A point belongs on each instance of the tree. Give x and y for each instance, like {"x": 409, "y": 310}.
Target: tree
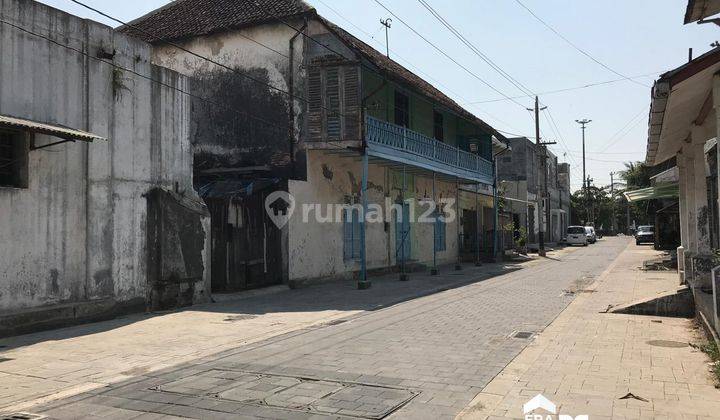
{"x": 636, "y": 175}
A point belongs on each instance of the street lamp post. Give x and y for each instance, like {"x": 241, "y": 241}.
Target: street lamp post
{"x": 583, "y": 123}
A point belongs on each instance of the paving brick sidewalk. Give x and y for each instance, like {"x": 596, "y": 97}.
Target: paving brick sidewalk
{"x": 422, "y": 358}
{"x": 64, "y": 362}
{"x": 586, "y": 360}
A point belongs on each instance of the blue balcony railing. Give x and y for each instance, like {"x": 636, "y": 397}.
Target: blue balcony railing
{"x": 393, "y": 142}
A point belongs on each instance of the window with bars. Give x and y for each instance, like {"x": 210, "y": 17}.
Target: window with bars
{"x": 402, "y": 109}
{"x": 438, "y": 126}
{"x": 13, "y": 159}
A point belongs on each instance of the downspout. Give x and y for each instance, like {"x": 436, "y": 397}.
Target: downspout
{"x": 291, "y": 89}
{"x": 495, "y": 200}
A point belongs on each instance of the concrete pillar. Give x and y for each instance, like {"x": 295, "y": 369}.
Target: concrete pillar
{"x": 683, "y": 208}
{"x": 699, "y": 136}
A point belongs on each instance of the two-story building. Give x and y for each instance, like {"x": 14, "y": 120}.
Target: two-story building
{"x": 98, "y": 214}
{"x": 345, "y": 127}
{"x": 522, "y": 182}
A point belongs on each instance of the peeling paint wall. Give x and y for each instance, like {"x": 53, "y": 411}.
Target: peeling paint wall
{"x": 316, "y": 249}
{"x": 78, "y": 232}
{"x": 251, "y": 125}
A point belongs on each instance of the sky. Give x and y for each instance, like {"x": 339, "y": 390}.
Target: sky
{"x": 628, "y": 39}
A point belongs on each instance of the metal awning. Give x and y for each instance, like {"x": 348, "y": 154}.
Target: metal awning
{"x": 54, "y": 130}
{"x": 671, "y": 190}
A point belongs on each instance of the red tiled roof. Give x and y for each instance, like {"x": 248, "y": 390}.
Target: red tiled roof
{"x": 189, "y": 18}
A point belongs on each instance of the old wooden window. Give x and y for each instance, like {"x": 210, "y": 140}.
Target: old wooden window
{"x": 438, "y": 126}
{"x": 402, "y": 109}
{"x": 13, "y": 159}
{"x": 333, "y": 102}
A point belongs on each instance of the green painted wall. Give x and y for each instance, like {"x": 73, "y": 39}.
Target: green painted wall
{"x": 381, "y": 105}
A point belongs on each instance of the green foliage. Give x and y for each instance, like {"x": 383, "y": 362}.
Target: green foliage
{"x": 711, "y": 349}
{"x": 602, "y": 204}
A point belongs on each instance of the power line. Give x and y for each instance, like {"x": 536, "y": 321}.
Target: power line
{"x": 572, "y": 44}
{"x": 464, "y": 101}
{"x": 151, "y": 79}
{"x": 549, "y": 92}
{"x": 441, "y": 51}
{"x": 624, "y": 130}
{"x": 194, "y": 54}
{"x": 475, "y": 49}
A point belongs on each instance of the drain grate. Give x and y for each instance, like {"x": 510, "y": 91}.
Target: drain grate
{"x": 523, "y": 335}
{"x": 21, "y": 416}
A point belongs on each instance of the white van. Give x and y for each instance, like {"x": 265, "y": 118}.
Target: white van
{"x": 576, "y": 236}
{"x": 590, "y": 233}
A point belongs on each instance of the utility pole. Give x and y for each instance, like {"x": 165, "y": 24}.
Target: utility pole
{"x": 387, "y": 23}
{"x": 542, "y": 152}
{"x": 612, "y": 197}
{"x": 583, "y": 123}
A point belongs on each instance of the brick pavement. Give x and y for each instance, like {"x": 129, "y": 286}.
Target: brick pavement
{"x": 587, "y": 360}
{"x": 423, "y": 358}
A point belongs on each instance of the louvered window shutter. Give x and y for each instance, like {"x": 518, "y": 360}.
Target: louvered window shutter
{"x": 315, "y": 107}
{"x": 351, "y": 103}
{"x": 332, "y": 103}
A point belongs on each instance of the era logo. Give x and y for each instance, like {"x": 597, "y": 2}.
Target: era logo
{"x": 540, "y": 402}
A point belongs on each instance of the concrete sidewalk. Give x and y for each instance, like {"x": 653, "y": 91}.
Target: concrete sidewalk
{"x": 587, "y": 360}
{"x": 56, "y": 364}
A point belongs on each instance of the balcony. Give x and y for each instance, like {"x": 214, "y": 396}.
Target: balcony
{"x": 398, "y": 144}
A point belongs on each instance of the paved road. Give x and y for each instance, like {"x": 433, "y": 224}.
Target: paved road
{"x": 424, "y": 358}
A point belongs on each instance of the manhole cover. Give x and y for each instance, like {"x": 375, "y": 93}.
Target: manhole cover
{"x": 523, "y": 335}
{"x": 667, "y": 343}
{"x": 316, "y": 396}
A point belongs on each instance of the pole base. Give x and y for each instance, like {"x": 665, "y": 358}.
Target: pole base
{"x": 404, "y": 277}
{"x": 542, "y": 253}
{"x": 364, "y": 285}
{"x": 458, "y": 267}
{"x": 433, "y": 271}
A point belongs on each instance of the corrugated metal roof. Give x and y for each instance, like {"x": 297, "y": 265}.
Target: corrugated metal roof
{"x": 235, "y": 188}
{"x": 54, "y": 130}
{"x": 670, "y": 190}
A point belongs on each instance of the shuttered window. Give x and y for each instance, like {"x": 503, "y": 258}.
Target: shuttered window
{"x": 351, "y": 234}
{"x": 334, "y": 103}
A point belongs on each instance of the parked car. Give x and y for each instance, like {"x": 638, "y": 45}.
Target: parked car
{"x": 645, "y": 234}
{"x": 590, "y": 233}
{"x": 576, "y": 236}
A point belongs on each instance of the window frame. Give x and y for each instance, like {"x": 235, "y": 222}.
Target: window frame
{"x": 18, "y": 160}
{"x": 404, "y": 112}
{"x": 438, "y": 126}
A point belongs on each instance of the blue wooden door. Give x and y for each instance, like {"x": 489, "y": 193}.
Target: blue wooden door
{"x": 402, "y": 234}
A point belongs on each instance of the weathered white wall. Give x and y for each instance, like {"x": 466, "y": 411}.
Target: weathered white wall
{"x": 264, "y": 47}
{"x": 78, "y": 231}
{"x": 316, "y": 249}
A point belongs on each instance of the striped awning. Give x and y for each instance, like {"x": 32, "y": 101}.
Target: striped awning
{"x": 54, "y": 130}
{"x": 670, "y": 190}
